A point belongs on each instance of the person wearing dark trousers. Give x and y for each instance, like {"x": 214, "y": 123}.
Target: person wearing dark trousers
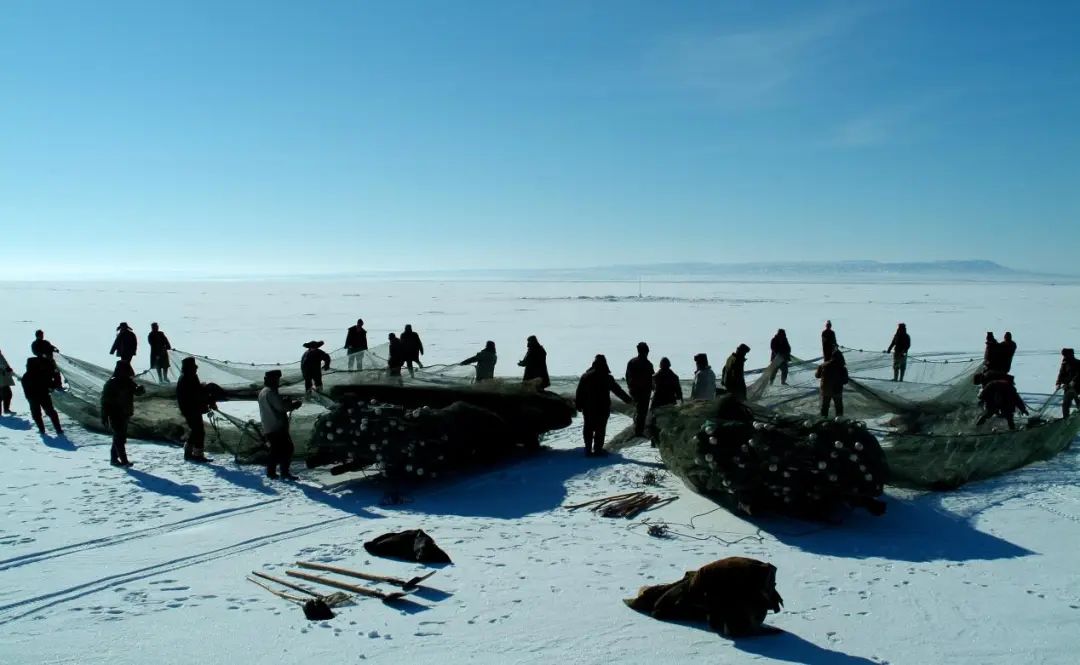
{"x": 312, "y": 364}
{"x": 117, "y": 408}
{"x": 1068, "y": 380}
{"x": 43, "y": 348}
{"x": 356, "y": 344}
{"x": 37, "y": 385}
{"x": 639, "y": 380}
{"x": 159, "y": 352}
{"x": 274, "y": 413}
{"x": 833, "y": 375}
{"x": 593, "y": 400}
{"x": 1007, "y": 349}
{"x": 396, "y": 357}
{"x": 485, "y": 361}
{"x": 899, "y": 347}
{"x": 667, "y": 390}
{"x": 413, "y": 347}
{"x": 126, "y": 344}
{"x": 780, "y": 358}
{"x": 194, "y": 401}
{"x": 7, "y": 382}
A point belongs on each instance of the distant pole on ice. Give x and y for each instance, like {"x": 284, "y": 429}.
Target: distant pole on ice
{"x": 639, "y": 286}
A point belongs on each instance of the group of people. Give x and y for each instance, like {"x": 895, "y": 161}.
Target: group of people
{"x": 647, "y": 388}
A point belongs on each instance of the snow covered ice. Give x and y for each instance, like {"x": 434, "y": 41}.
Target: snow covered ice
{"x": 99, "y": 564}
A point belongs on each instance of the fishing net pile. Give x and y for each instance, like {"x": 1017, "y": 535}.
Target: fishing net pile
{"x": 421, "y": 434}
{"x": 752, "y": 464}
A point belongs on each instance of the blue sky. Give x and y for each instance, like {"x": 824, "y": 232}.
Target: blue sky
{"x": 333, "y": 136}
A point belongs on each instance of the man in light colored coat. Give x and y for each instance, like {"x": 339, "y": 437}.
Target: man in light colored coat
{"x": 274, "y": 413}
{"x": 704, "y": 386}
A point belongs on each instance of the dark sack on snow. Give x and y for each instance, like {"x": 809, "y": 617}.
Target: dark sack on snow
{"x": 412, "y": 545}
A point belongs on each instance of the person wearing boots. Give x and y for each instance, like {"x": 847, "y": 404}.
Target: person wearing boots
{"x": 593, "y": 400}
{"x": 828, "y": 340}
{"x": 1068, "y": 381}
{"x": 704, "y": 386}
{"x": 639, "y": 379}
{"x": 7, "y": 382}
{"x": 274, "y": 413}
{"x": 412, "y": 347}
{"x": 780, "y": 358}
{"x": 999, "y": 397}
{"x": 1007, "y": 349}
{"x": 356, "y": 345}
{"x": 194, "y": 400}
{"x": 485, "y": 362}
{"x": 117, "y": 408}
{"x": 37, "y": 384}
{"x": 159, "y": 352}
{"x": 312, "y": 364}
{"x": 733, "y": 377}
{"x": 126, "y": 343}
{"x": 833, "y": 375}
{"x": 899, "y": 347}
{"x": 43, "y": 348}
{"x": 535, "y": 363}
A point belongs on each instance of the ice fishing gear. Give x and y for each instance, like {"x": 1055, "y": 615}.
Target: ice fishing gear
{"x": 406, "y": 585}
{"x": 345, "y": 586}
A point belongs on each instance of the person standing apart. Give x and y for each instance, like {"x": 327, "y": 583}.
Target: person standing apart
{"x": 639, "y": 380}
{"x": 159, "y": 352}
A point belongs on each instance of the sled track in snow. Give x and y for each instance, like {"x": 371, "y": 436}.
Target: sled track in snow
{"x": 107, "y": 541}
{"x": 30, "y": 606}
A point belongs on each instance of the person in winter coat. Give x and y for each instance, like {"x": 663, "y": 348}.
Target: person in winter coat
{"x": 593, "y": 400}
{"x": 356, "y": 345}
{"x": 485, "y": 362}
{"x": 733, "y": 377}
{"x": 828, "y": 340}
{"x": 159, "y": 352}
{"x": 126, "y": 343}
{"x": 639, "y": 379}
{"x": 780, "y": 356}
{"x": 41, "y": 347}
{"x": 833, "y": 375}
{"x": 1068, "y": 380}
{"x": 704, "y": 386}
{"x": 667, "y": 390}
{"x": 992, "y": 356}
{"x": 7, "y": 382}
{"x": 117, "y": 408}
{"x": 37, "y": 383}
{"x": 412, "y": 347}
{"x": 194, "y": 400}
{"x": 1007, "y": 349}
{"x": 535, "y": 363}
{"x": 312, "y": 364}
{"x": 1000, "y": 398}
{"x": 396, "y": 359}
{"x": 274, "y": 413}
{"x": 899, "y": 347}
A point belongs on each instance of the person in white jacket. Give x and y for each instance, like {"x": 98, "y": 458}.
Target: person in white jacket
{"x": 704, "y": 379}
{"x": 274, "y": 413}
{"x": 7, "y": 382}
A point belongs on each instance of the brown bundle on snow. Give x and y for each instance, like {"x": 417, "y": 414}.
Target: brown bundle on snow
{"x": 733, "y": 595}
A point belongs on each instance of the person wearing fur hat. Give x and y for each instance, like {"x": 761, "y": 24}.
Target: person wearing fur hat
{"x": 1068, "y": 380}
{"x": 126, "y": 343}
{"x": 593, "y": 400}
{"x": 194, "y": 400}
{"x": 733, "y": 377}
{"x": 7, "y": 382}
{"x": 312, "y": 364}
{"x": 274, "y": 413}
{"x": 899, "y": 347}
{"x": 117, "y": 408}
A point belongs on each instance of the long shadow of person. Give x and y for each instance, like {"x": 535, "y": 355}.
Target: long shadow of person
{"x": 165, "y": 486}
{"x": 252, "y": 480}
{"x": 791, "y": 648}
{"x": 60, "y": 442}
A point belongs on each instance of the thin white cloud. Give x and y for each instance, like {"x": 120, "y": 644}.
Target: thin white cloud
{"x": 895, "y": 123}
{"x": 746, "y": 67}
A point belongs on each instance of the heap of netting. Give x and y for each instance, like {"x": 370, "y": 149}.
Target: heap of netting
{"x": 926, "y": 423}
